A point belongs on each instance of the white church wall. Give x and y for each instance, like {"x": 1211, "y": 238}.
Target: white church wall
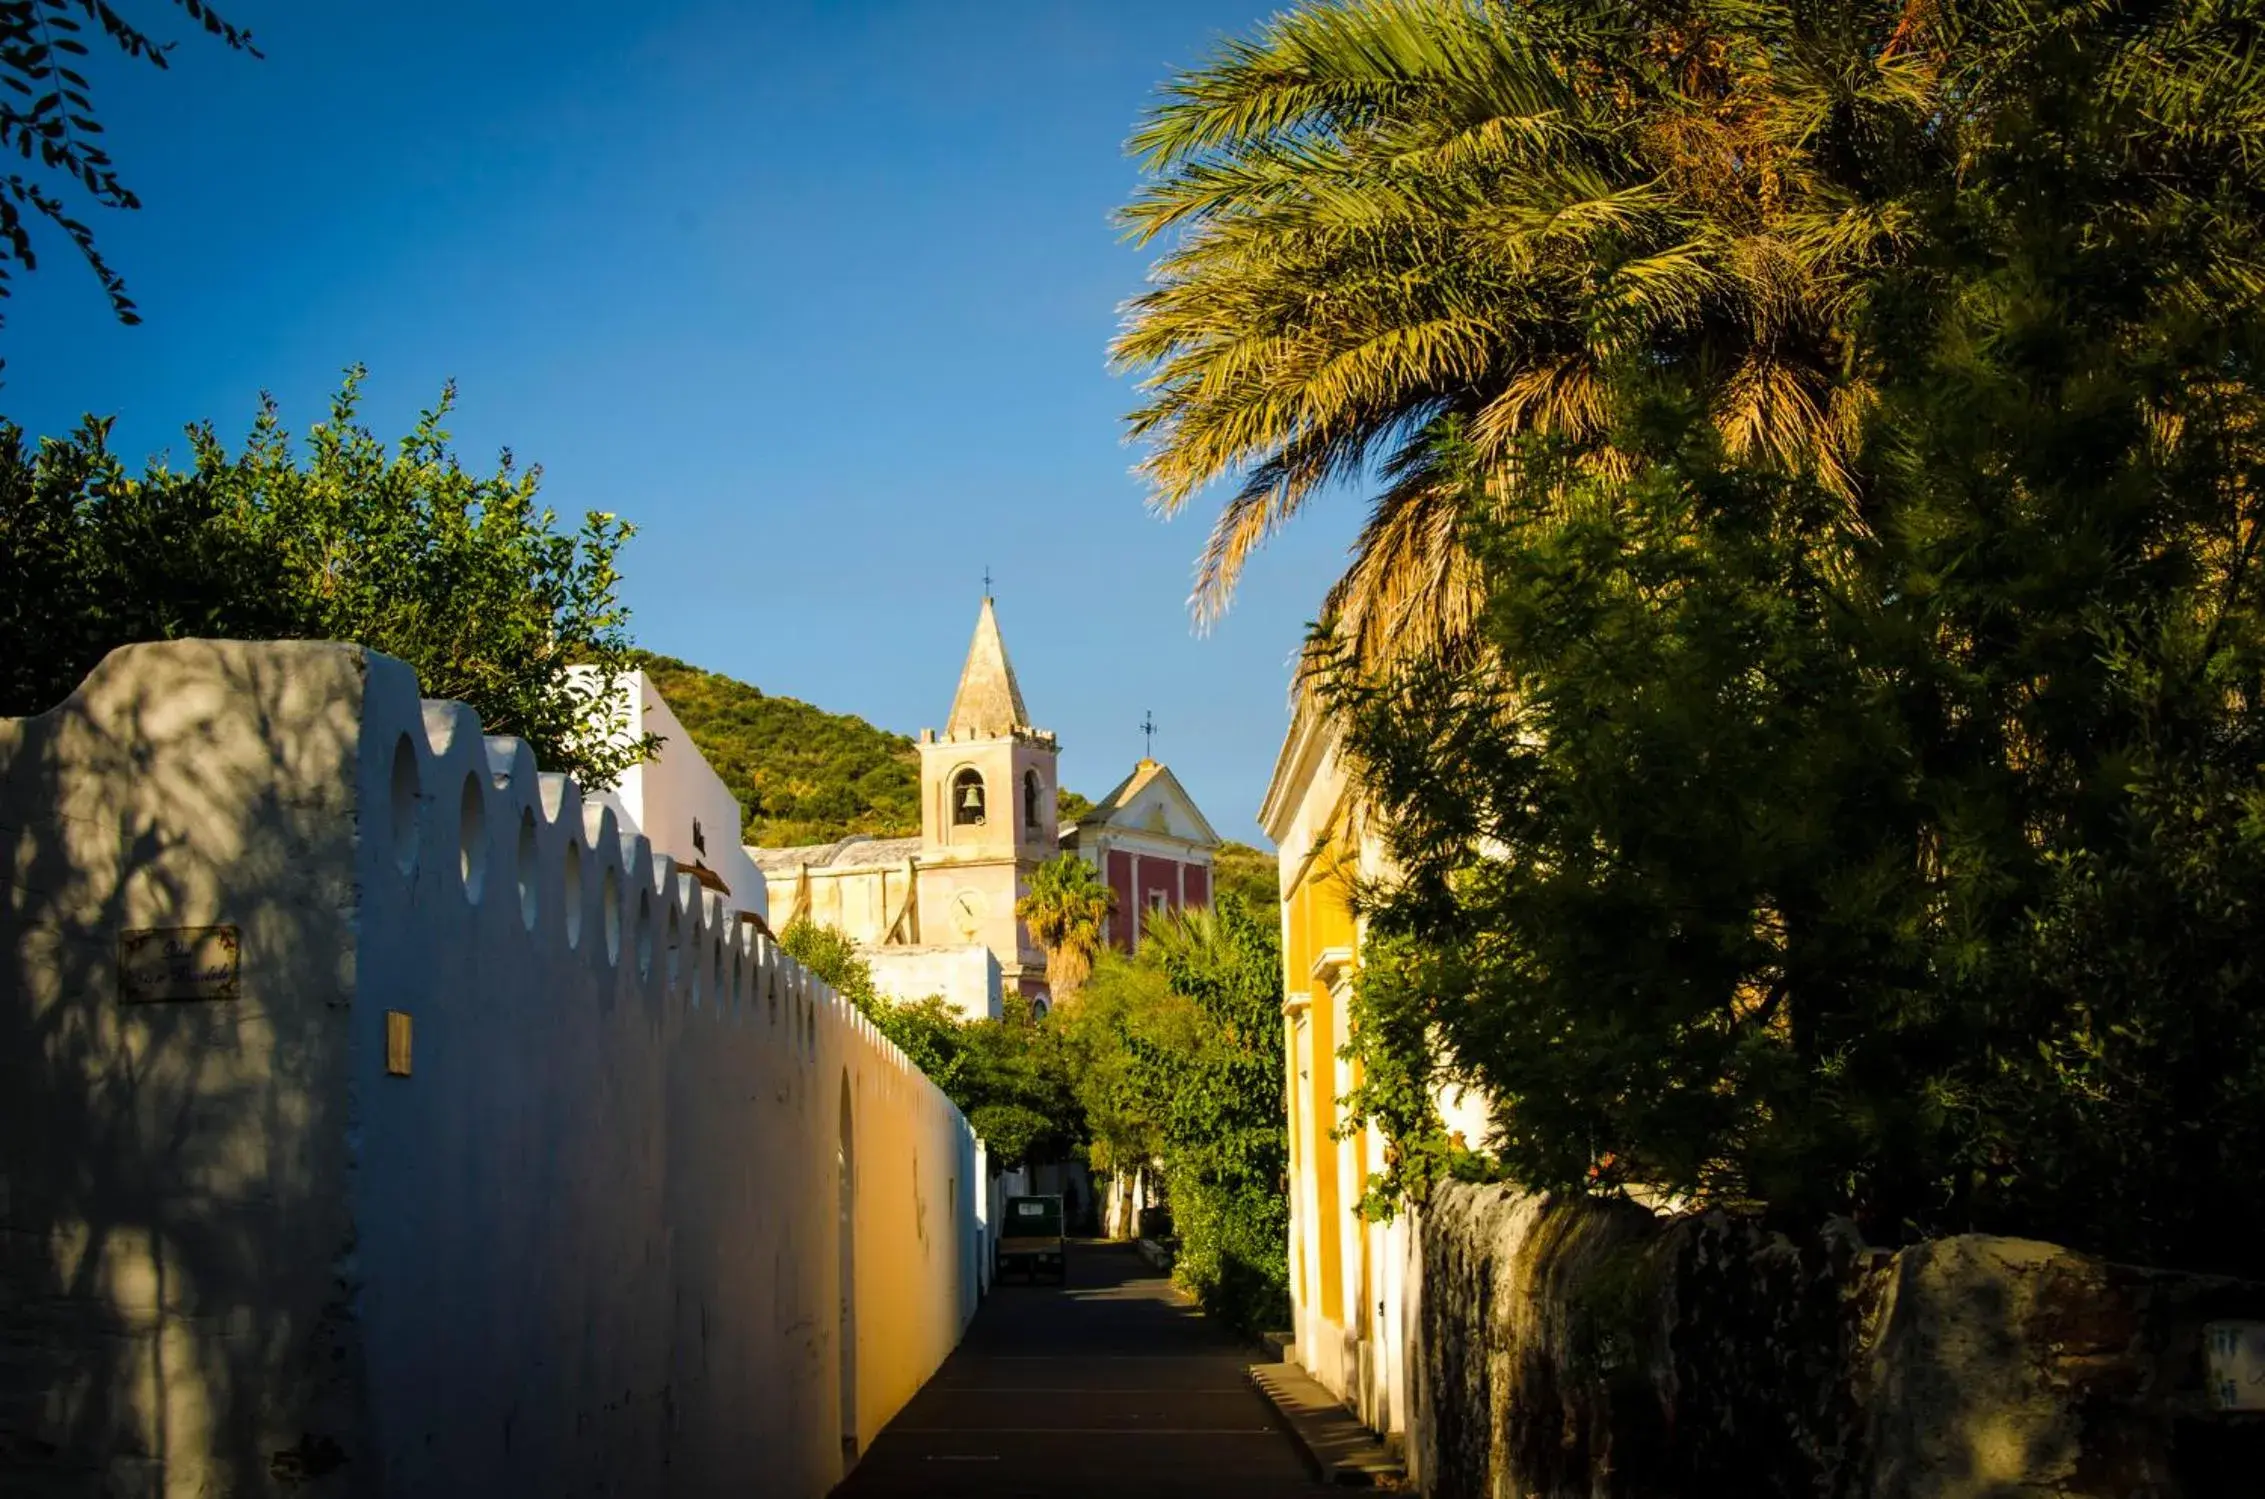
{"x": 587, "y": 1243}
{"x": 966, "y": 975}
{"x": 855, "y": 901}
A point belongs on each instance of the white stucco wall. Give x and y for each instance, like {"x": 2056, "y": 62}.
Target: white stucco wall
{"x": 666, "y": 796}
{"x": 966, "y": 974}
{"x": 589, "y": 1244}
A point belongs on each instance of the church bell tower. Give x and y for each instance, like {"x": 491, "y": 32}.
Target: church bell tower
{"x": 986, "y": 812}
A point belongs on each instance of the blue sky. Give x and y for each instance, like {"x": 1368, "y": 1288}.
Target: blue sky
{"x": 818, "y": 295}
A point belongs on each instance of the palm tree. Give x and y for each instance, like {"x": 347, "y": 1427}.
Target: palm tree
{"x": 1408, "y": 236}
{"x": 1067, "y": 910}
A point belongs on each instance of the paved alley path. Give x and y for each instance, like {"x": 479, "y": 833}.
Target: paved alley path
{"x": 1111, "y": 1386}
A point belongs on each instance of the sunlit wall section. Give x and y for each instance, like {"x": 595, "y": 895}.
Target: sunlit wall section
{"x": 504, "y": 1156}
{"x": 1349, "y": 1277}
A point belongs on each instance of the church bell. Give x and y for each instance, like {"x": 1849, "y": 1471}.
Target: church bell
{"x": 971, "y": 800}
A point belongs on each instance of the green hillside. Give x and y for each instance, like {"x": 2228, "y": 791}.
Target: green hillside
{"x": 803, "y": 775}
{"x": 1239, "y": 869}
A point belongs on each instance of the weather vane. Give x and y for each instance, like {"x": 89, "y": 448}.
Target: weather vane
{"x": 1148, "y": 733}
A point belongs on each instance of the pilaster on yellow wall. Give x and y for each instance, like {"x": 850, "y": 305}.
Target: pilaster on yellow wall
{"x": 1340, "y": 1265}
{"x": 1311, "y": 1166}
{"x": 1332, "y": 978}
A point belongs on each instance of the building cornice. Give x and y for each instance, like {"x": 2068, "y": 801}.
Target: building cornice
{"x": 1333, "y": 967}
{"x": 1311, "y": 739}
{"x": 828, "y": 871}
{"x": 1045, "y": 739}
{"x": 1297, "y": 751}
{"x": 1105, "y": 835}
{"x": 944, "y": 859}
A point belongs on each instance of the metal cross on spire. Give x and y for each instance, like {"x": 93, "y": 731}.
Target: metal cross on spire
{"x": 986, "y": 580}
{"x": 1148, "y": 734}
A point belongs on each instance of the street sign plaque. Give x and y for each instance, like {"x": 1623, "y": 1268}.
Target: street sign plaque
{"x": 2236, "y": 1360}
{"x": 168, "y": 964}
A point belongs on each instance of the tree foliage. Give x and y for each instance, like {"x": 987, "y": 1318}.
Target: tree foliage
{"x": 831, "y": 954}
{"x": 1016, "y": 1086}
{"x": 1122, "y": 1115}
{"x": 1176, "y": 1056}
{"x": 1225, "y": 1139}
{"x": 1173, "y": 1057}
{"x": 48, "y": 120}
{"x": 1883, "y": 836}
{"x": 463, "y": 576}
{"x": 1007, "y": 1075}
{"x": 1066, "y": 908}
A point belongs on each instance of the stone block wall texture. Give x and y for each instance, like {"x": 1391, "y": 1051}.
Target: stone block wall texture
{"x": 1602, "y": 1351}
{"x": 592, "y": 1243}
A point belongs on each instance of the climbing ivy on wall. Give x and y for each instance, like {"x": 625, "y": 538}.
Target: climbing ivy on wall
{"x": 1399, "y": 1073}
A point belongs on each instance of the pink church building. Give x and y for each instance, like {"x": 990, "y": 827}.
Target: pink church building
{"x": 1151, "y": 845}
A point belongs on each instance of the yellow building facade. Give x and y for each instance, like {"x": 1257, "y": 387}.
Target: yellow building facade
{"x": 1350, "y": 1278}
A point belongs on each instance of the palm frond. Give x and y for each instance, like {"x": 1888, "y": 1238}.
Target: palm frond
{"x": 1383, "y": 211}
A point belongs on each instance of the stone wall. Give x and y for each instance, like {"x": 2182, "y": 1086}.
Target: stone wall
{"x": 638, "y": 1207}
{"x": 1603, "y": 1352}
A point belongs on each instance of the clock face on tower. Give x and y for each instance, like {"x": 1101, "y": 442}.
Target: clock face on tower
{"x": 967, "y": 914}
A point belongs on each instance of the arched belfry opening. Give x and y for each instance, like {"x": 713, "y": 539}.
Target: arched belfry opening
{"x": 1031, "y": 791}
{"x": 967, "y": 798}
{"x": 846, "y": 1235}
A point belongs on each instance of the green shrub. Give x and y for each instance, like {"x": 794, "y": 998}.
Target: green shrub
{"x": 463, "y": 576}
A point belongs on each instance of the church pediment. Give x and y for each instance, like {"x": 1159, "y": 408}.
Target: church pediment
{"x": 1151, "y": 800}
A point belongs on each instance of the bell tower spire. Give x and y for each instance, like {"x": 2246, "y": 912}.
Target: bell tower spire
{"x": 988, "y": 704}
{"x": 987, "y": 819}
